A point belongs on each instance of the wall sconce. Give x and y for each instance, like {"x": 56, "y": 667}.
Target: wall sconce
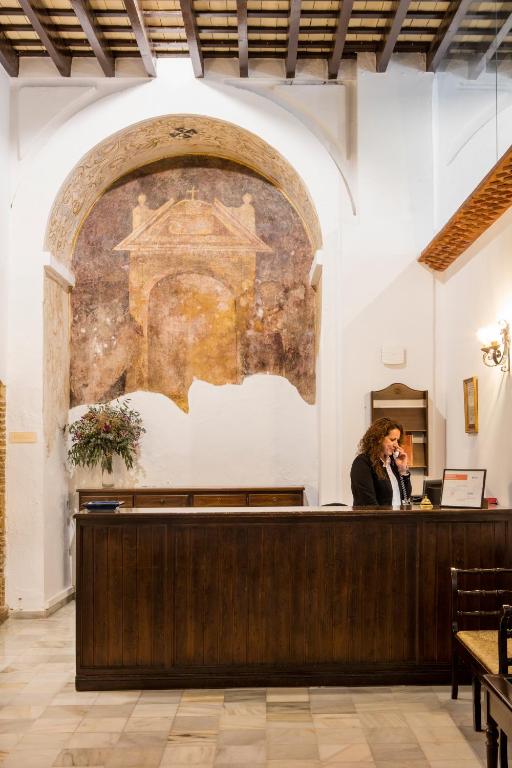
{"x": 495, "y": 341}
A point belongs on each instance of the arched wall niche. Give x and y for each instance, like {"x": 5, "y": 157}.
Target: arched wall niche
{"x": 216, "y": 220}
{"x": 164, "y": 137}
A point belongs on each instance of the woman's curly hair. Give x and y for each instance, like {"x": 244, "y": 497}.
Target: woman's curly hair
{"x": 371, "y": 442}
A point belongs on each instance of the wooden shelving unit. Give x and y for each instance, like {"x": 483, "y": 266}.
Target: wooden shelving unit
{"x": 409, "y": 407}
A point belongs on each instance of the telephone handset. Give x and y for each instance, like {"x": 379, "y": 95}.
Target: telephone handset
{"x": 396, "y": 454}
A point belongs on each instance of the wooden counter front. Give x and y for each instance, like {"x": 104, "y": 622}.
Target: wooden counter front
{"x": 183, "y": 598}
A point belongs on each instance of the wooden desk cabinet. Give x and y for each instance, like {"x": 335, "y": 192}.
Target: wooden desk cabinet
{"x": 197, "y": 497}
{"x": 273, "y": 596}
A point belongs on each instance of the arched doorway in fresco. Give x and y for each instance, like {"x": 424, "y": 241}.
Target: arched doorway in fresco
{"x": 192, "y": 331}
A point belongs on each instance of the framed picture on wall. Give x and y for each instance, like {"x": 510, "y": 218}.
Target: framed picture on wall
{"x": 471, "y": 405}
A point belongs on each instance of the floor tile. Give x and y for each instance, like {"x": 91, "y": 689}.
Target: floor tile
{"x": 45, "y": 722}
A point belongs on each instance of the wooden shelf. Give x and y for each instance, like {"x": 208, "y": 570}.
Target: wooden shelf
{"x": 408, "y": 407}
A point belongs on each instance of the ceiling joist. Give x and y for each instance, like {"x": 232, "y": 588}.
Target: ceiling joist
{"x": 194, "y": 44}
{"x": 492, "y": 50}
{"x": 243, "y": 39}
{"x": 8, "y": 57}
{"x": 95, "y": 36}
{"x": 384, "y": 55}
{"x": 293, "y": 37}
{"x": 61, "y": 60}
{"x": 333, "y": 64}
{"x": 447, "y": 32}
{"x": 141, "y": 36}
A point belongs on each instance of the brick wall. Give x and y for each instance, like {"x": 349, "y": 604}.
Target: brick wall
{"x": 3, "y": 450}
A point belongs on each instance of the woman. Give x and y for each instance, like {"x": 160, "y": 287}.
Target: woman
{"x": 380, "y": 473}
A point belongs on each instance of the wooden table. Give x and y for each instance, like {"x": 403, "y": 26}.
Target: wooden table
{"x": 498, "y": 698}
{"x": 276, "y": 596}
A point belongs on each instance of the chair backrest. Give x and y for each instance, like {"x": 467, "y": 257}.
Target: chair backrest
{"x": 478, "y": 596}
{"x": 505, "y": 633}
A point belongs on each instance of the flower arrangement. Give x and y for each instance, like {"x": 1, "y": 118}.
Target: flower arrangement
{"x": 102, "y": 431}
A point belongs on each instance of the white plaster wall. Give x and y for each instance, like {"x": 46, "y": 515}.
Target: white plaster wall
{"x": 387, "y": 296}
{"x": 261, "y": 432}
{"x": 4, "y": 216}
{"x": 472, "y": 295}
{"x": 473, "y": 128}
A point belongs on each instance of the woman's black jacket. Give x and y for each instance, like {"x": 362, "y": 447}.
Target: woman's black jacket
{"x": 370, "y": 490}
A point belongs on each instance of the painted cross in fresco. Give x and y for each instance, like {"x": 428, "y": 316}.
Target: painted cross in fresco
{"x": 191, "y": 291}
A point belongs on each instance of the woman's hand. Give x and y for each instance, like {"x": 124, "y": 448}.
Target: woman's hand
{"x": 402, "y": 461}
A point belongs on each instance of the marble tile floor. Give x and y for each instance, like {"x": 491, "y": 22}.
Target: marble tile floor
{"x": 44, "y": 722}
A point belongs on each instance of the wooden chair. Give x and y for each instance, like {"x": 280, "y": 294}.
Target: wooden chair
{"x": 478, "y": 595}
{"x": 505, "y": 663}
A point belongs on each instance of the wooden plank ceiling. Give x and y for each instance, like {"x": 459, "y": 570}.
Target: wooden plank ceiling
{"x": 250, "y": 29}
{"x": 490, "y": 200}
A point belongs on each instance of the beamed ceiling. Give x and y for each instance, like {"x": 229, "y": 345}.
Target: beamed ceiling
{"x": 250, "y": 29}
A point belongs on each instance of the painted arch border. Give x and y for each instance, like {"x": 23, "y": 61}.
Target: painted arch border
{"x": 157, "y": 138}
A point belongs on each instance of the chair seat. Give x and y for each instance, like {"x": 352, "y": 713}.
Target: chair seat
{"x": 483, "y": 645}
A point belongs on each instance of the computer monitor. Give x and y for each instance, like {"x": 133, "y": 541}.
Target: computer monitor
{"x": 433, "y": 489}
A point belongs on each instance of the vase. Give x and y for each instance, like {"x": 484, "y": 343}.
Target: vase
{"x": 107, "y": 479}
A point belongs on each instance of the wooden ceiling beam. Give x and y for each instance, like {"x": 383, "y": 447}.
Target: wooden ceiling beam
{"x": 481, "y": 64}
{"x": 139, "y": 30}
{"x": 194, "y": 44}
{"x": 243, "y": 39}
{"x": 95, "y": 36}
{"x": 333, "y": 64}
{"x": 61, "y": 60}
{"x": 384, "y": 55}
{"x": 446, "y": 33}
{"x": 293, "y": 37}
{"x": 490, "y": 200}
{"x": 8, "y": 57}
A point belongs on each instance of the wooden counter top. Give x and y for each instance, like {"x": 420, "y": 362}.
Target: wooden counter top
{"x": 327, "y": 513}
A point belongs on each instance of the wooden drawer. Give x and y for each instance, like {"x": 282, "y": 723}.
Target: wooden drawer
{"x": 160, "y": 500}
{"x": 275, "y": 499}
{"x": 126, "y": 498}
{"x": 219, "y": 500}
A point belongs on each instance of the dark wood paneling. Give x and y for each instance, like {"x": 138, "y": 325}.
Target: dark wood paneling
{"x": 114, "y": 583}
{"x": 130, "y": 631}
{"x": 463, "y": 545}
{"x": 99, "y": 627}
{"x": 273, "y": 597}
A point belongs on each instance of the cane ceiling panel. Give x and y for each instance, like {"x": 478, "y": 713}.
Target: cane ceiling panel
{"x": 245, "y": 29}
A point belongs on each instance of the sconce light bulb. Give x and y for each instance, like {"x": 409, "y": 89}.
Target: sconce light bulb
{"x": 485, "y": 335}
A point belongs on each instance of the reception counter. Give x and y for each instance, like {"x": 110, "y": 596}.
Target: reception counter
{"x": 284, "y": 596}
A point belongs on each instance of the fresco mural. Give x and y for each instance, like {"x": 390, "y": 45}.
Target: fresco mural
{"x": 190, "y": 268}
